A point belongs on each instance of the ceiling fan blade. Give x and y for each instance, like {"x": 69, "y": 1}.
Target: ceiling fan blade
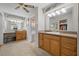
{"x": 25, "y": 9}
{"x": 29, "y": 6}
{"x": 17, "y": 7}
{"x": 20, "y": 3}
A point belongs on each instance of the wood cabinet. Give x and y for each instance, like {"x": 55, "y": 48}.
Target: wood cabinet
{"x": 40, "y": 36}
{"x": 55, "y": 45}
{"x": 68, "y": 46}
{"x": 58, "y": 45}
{"x": 20, "y": 35}
{"x": 46, "y": 43}
{"x": 50, "y": 43}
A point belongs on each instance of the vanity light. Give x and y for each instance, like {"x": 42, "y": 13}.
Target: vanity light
{"x": 58, "y": 12}
{"x": 53, "y": 14}
{"x": 52, "y": 25}
{"x": 12, "y": 20}
{"x": 18, "y": 21}
{"x": 63, "y": 10}
{"x": 49, "y": 15}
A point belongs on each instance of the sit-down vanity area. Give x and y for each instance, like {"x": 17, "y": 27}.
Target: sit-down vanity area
{"x": 15, "y": 36}
{"x": 14, "y": 28}
{"x": 8, "y": 37}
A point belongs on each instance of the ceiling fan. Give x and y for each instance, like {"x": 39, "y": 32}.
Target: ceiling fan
{"x": 24, "y": 6}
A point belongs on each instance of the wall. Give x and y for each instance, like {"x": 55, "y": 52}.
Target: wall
{"x": 75, "y": 17}
{"x": 32, "y": 32}
{"x": 1, "y": 29}
{"x": 41, "y": 16}
{"x": 47, "y": 22}
{"x": 41, "y": 20}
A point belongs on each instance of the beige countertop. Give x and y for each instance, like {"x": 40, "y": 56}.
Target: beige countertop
{"x": 61, "y": 34}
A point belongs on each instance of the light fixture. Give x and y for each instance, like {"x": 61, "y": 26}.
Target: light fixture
{"x": 18, "y": 21}
{"x": 52, "y": 25}
{"x": 12, "y": 20}
{"x": 49, "y": 15}
{"x": 53, "y": 14}
{"x": 58, "y": 12}
{"x": 63, "y": 10}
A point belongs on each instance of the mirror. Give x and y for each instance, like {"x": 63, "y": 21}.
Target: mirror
{"x": 14, "y": 23}
{"x": 62, "y": 19}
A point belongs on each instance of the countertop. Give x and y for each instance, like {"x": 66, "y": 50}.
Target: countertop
{"x": 61, "y": 34}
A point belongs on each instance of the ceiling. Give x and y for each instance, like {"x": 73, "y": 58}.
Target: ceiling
{"x": 42, "y": 5}
{"x": 13, "y": 5}
{"x": 10, "y": 8}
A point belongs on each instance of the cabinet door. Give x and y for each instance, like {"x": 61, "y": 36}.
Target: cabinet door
{"x": 20, "y": 35}
{"x": 55, "y": 47}
{"x": 46, "y": 44}
{"x": 68, "y": 46}
{"x": 67, "y": 52}
{"x": 40, "y": 40}
{"x": 41, "y": 43}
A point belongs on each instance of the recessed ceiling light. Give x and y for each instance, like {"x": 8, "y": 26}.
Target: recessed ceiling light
{"x": 49, "y": 15}
{"x": 58, "y": 12}
{"x": 63, "y": 10}
{"x": 53, "y": 14}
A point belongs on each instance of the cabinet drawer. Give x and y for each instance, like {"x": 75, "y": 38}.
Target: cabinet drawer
{"x": 20, "y": 35}
{"x": 69, "y": 43}
{"x": 68, "y": 40}
{"x": 51, "y": 37}
{"x": 67, "y": 52}
{"x": 69, "y": 46}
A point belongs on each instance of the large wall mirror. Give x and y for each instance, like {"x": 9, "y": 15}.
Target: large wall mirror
{"x": 62, "y": 19}
{"x": 14, "y": 23}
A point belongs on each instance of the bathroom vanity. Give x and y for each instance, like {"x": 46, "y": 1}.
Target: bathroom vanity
{"x": 58, "y": 44}
{"x": 14, "y": 36}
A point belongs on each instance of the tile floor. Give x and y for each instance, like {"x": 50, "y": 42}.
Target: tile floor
{"x": 21, "y": 48}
